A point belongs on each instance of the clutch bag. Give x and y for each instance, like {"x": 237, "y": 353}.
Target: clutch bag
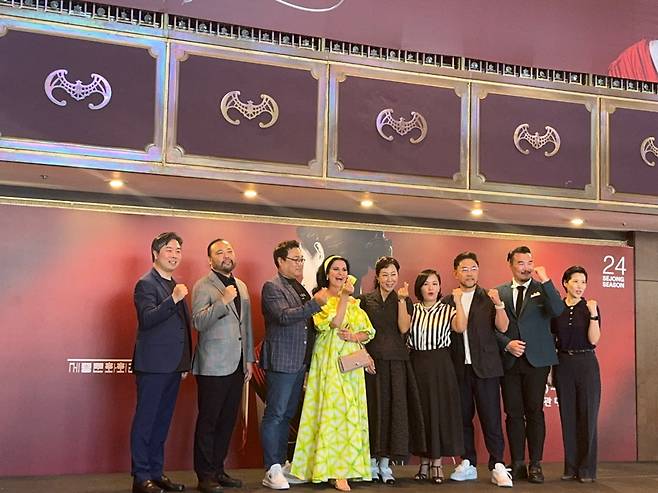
{"x": 352, "y": 361}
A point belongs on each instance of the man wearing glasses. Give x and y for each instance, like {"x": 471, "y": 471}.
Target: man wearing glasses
{"x": 289, "y": 335}
{"x": 479, "y": 367}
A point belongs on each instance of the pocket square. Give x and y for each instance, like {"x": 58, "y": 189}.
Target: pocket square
{"x": 536, "y": 293}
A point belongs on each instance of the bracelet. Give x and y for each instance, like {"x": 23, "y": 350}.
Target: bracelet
{"x": 501, "y": 306}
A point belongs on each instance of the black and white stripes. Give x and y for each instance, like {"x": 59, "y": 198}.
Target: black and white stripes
{"x": 430, "y": 327}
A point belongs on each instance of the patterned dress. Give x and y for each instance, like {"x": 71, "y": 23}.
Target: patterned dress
{"x": 332, "y": 442}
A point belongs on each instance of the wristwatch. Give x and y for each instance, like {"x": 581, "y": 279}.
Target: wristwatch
{"x": 596, "y": 317}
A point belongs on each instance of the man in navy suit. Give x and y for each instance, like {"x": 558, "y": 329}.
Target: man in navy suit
{"x": 529, "y": 352}
{"x": 289, "y": 335}
{"x": 162, "y": 357}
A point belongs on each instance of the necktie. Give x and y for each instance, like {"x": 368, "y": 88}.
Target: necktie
{"x": 519, "y": 300}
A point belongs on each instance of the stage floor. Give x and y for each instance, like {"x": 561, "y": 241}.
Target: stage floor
{"x": 613, "y": 477}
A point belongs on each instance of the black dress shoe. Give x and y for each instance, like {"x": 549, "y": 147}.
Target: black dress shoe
{"x": 227, "y": 481}
{"x": 535, "y": 474}
{"x": 209, "y": 486}
{"x": 519, "y": 471}
{"x": 147, "y": 486}
{"x": 166, "y": 484}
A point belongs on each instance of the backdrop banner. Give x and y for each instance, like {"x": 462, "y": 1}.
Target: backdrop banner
{"x": 68, "y": 325}
{"x": 581, "y": 36}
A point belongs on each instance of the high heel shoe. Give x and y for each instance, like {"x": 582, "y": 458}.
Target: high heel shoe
{"x": 342, "y": 485}
{"x": 423, "y": 472}
{"x": 437, "y": 474}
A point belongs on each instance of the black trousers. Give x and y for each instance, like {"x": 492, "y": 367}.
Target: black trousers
{"x": 219, "y": 401}
{"x": 523, "y": 397}
{"x": 482, "y": 394}
{"x": 578, "y": 385}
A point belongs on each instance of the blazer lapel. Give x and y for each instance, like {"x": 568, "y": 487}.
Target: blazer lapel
{"x": 532, "y": 288}
{"x": 214, "y": 280}
{"x": 506, "y": 296}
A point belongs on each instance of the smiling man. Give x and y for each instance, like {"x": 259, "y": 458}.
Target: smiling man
{"x": 529, "y": 352}
{"x": 162, "y": 357}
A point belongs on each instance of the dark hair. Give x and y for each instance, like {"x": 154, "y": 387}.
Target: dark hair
{"x": 363, "y": 247}
{"x": 420, "y": 280}
{"x": 382, "y": 263}
{"x": 464, "y": 256}
{"x": 161, "y": 240}
{"x": 519, "y": 249}
{"x": 212, "y": 243}
{"x": 321, "y": 277}
{"x": 574, "y": 269}
{"x": 282, "y": 249}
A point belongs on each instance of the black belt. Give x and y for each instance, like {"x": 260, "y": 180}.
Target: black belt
{"x": 576, "y": 351}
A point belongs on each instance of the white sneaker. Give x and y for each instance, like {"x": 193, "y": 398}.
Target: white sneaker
{"x": 464, "y": 472}
{"x": 374, "y": 469}
{"x": 275, "y": 479}
{"x": 385, "y": 471}
{"x": 291, "y": 478}
{"x": 501, "y": 476}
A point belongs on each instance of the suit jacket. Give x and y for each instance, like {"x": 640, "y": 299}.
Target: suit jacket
{"x": 481, "y": 333}
{"x": 541, "y": 302}
{"x": 224, "y": 337}
{"x": 286, "y": 326}
{"x": 161, "y": 329}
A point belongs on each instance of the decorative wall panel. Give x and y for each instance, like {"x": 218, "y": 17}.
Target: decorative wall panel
{"x": 68, "y": 91}
{"x": 533, "y": 141}
{"x": 630, "y": 152}
{"x": 246, "y": 111}
{"x": 393, "y": 127}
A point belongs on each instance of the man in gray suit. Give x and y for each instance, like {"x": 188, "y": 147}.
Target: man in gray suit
{"x": 529, "y": 352}
{"x": 287, "y": 309}
{"x": 223, "y": 361}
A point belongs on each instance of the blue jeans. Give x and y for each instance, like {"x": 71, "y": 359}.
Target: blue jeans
{"x": 283, "y": 392}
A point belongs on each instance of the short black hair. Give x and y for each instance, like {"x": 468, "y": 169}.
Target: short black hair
{"x": 574, "y": 269}
{"x": 464, "y": 256}
{"x": 282, "y": 249}
{"x": 382, "y": 263}
{"x": 161, "y": 240}
{"x": 420, "y": 280}
{"x": 519, "y": 249}
{"x": 212, "y": 243}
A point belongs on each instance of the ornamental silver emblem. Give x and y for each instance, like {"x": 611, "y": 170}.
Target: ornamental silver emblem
{"x": 77, "y": 90}
{"x": 648, "y": 147}
{"x": 249, "y": 110}
{"x": 401, "y": 126}
{"x": 535, "y": 140}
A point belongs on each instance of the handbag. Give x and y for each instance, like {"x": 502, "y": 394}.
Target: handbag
{"x": 352, "y": 361}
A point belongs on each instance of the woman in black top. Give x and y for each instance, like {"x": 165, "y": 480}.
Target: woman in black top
{"x": 577, "y": 377}
{"x": 394, "y": 408}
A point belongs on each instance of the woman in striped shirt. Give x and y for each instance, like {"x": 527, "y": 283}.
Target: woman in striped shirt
{"x": 429, "y": 339}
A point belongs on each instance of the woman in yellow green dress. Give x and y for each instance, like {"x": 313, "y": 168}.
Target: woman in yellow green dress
{"x": 332, "y": 441}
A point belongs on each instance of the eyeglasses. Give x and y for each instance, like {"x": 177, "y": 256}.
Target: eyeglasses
{"x": 466, "y": 270}
{"x": 297, "y": 260}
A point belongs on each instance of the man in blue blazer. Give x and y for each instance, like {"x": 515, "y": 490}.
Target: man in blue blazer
{"x": 289, "y": 334}
{"x": 161, "y": 358}
{"x": 529, "y": 352}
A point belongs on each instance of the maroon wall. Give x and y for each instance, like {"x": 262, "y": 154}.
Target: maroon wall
{"x": 68, "y": 278}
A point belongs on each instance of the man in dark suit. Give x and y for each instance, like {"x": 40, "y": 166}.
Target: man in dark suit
{"x": 287, "y": 309}
{"x": 161, "y": 358}
{"x": 223, "y": 361}
{"x": 479, "y": 367}
{"x": 529, "y": 352}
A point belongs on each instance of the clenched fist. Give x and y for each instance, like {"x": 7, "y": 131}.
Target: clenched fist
{"x": 180, "y": 292}
{"x": 229, "y": 294}
{"x": 494, "y": 296}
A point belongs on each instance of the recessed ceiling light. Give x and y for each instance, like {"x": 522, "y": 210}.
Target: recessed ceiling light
{"x": 577, "y": 221}
{"x": 367, "y": 203}
{"x": 116, "y": 183}
{"x": 477, "y": 212}
{"x": 251, "y": 194}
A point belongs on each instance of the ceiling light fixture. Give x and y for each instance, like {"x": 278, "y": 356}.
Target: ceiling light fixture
{"x": 577, "y": 221}
{"x": 367, "y": 203}
{"x": 251, "y": 194}
{"x": 116, "y": 183}
{"x": 477, "y": 212}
